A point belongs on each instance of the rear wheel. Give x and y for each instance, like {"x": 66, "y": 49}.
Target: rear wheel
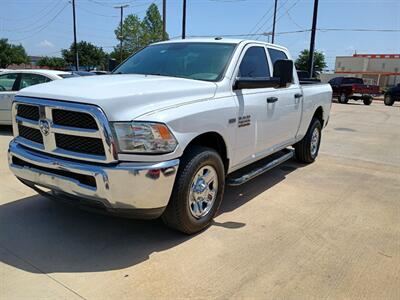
{"x": 388, "y": 100}
{"x": 197, "y": 192}
{"x": 307, "y": 149}
{"x": 343, "y": 98}
{"x": 367, "y": 100}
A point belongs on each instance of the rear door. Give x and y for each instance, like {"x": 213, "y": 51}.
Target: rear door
{"x": 8, "y": 89}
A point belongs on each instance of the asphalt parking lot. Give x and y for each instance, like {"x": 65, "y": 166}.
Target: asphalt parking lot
{"x": 330, "y": 230}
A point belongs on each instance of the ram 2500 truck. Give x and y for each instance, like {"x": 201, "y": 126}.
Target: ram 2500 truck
{"x": 164, "y": 133}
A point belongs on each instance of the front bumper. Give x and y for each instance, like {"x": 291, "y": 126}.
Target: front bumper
{"x": 125, "y": 186}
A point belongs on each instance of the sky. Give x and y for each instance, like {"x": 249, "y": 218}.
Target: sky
{"x": 44, "y": 27}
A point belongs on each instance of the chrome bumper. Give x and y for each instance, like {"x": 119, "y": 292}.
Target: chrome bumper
{"x": 125, "y": 186}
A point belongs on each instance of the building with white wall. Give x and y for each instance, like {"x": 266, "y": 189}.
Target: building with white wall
{"x": 379, "y": 69}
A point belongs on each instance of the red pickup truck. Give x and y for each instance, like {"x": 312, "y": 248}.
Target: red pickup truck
{"x": 345, "y": 88}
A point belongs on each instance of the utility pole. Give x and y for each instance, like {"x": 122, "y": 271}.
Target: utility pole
{"x": 75, "y": 45}
{"x": 164, "y": 19}
{"x": 121, "y": 7}
{"x": 184, "y": 20}
{"x": 312, "y": 41}
{"x": 273, "y": 24}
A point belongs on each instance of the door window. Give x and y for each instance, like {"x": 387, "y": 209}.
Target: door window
{"x": 7, "y": 82}
{"x": 276, "y": 55}
{"x": 254, "y": 64}
{"x": 31, "y": 79}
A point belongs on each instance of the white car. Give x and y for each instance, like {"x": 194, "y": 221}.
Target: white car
{"x": 11, "y": 81}
{"x": 164, "y": 133}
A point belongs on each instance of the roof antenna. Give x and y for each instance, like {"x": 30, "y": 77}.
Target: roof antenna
{"x": 218, "y": 38}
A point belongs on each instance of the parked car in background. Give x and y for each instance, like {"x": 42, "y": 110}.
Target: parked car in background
{"x": 100, "y": 72}
{"x": 11, "y": 81}
{"x": 83, "y": 73}
{"x": 346, "y": 88}
{"x": 392, "y": 95}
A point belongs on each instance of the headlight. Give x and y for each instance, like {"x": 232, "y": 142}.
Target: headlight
{"x": 144, "y": 137}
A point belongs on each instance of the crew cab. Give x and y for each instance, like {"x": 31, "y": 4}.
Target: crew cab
{"x": 345, "y": 88}
{"x": 165, "y": 133}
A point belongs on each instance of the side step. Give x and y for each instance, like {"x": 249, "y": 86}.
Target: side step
{"x": 249, "y": 172}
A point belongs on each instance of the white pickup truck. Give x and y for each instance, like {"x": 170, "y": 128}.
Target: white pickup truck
{"x": 163, "y": 134}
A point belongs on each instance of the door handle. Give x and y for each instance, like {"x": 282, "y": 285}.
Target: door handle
{"x": 298, "y": 95}
{"x": 272, "y": 99}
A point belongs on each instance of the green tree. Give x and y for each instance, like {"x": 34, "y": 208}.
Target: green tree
{"x": 302, "y": 61}
{"x": 137, "y": 34}
{"x": 90, "y": 56}
{"x": 52, "y": 62}
{"x": 12, "y": 54}
{"x": 152, "y": 24}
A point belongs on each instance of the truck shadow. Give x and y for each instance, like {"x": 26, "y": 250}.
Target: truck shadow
{"x": 41, "y": 236}
{"x": 6, "y": 130}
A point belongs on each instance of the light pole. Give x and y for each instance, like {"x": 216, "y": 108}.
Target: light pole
{"x": 184, "y": 20}
{"x": 273, "y": 24}
{"x": 312, "y": 41}
{"x": 121, "y": 7}
{"x": 164, "y": 19}
{"x": 75, "y": 45}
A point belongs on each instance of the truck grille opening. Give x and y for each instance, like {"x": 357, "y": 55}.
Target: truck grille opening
{"x": 30, "y": 112}
{"x": 73, "y": 119}
{"x": 79, "y": 144}
{"x": 83, "y": 179}
{"x": 31, "y": 134}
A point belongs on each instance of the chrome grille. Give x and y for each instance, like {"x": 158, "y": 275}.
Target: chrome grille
{"x": 79, "y": 144}
{"x": 73, "y": 119}
{"x": 76, "y": 131}
{"x": 31, "y": 134}
{"x": 28, "y": 112}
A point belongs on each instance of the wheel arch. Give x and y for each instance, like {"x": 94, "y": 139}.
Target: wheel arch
{"x": 213, "y": 140}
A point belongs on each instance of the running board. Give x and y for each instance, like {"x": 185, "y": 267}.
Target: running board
{"x": 247, "y": 173}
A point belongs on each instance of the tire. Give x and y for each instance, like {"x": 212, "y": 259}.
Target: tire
{"x": 307, "y": 149}
{"x": 343, "y": 98}
{"x": 367, "y": 100}
{"x": 182, "y": 212}
{"x": 388, "y": 100}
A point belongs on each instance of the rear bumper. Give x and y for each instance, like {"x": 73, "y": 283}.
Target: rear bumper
{"x": 124, "y": 187}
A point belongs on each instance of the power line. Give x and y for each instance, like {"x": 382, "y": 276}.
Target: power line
{"x": 44, "y": 26}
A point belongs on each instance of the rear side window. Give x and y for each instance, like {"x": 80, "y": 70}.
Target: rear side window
{"x": 254, "y": 64}
{"x": 276, "y": 55}
{"x": 351, "y": 80}
{"x": 7, "y": 82}
{"x": 32, "y": 79}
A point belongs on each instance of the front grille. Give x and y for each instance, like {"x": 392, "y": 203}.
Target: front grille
{"x": 79, "y": 144}
{"x": 31, "y": 134}
{"x": 73, "y": 119}
{"x": 83, "y": 179}
{"x": 81, "y": 130}
{"x": 30, "y": 112}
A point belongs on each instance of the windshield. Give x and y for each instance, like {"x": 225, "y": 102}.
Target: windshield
{"x": 201, "y": 61}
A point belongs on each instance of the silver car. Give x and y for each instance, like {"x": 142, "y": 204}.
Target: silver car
{"x": 11, "y": 81}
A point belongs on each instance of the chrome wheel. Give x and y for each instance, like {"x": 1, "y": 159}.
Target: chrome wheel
{"x": 203, "y": 191}
{"x": 314, "y": 142}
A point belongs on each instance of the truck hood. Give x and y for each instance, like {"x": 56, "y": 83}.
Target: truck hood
{"x": 125, "y": 97}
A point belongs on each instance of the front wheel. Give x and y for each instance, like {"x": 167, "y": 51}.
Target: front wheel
{"x": 307, "y": 149}
{"x": 367, "y": 100}
{"x": 198, "y": 191}
{"x": 388, "y": 100}
{"x": 343, "y": 98}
